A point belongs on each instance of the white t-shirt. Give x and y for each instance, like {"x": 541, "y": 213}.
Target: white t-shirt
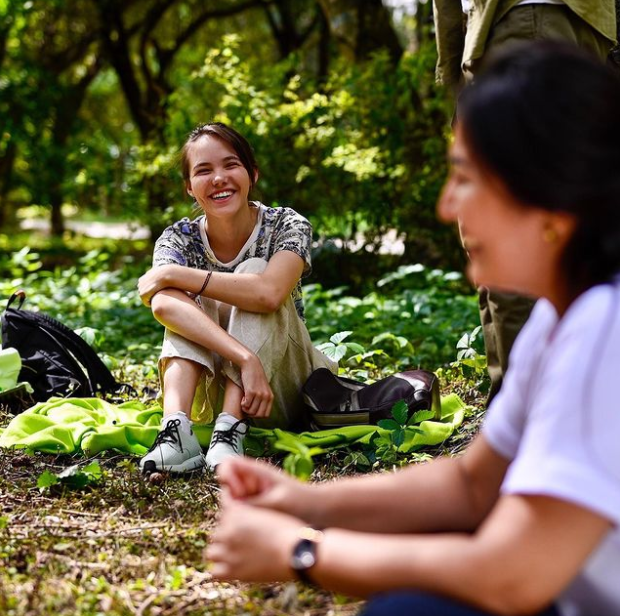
{"x": 557, "y": 418}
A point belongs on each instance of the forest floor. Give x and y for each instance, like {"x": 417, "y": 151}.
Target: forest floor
{"x": 123, "y": 546}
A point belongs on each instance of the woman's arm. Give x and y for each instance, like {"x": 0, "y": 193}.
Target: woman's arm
{"x": 447, "y": 494}
{"x": 264, "y": 292}
{"x": 520, "y": 559}
{"x": 180, "y": 314}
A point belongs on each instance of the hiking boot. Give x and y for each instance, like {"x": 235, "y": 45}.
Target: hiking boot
{"x": 226, "y": 442}
{"x": 175, "y": 450}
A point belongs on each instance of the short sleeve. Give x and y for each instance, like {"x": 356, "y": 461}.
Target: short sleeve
{"x": 179, "y": 244}
{"x": 293, "y": 232}
{"x": 505, "y": 418}
{"x": 569, "y": 447}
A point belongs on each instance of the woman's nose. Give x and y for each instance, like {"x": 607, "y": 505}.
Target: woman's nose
{"x": 446, "y": 206}
{"x": 218, "y": 177}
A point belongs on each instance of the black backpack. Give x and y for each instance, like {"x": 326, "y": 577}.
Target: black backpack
{"x": 55, "y": 360}
{"x": 334, "y": 401}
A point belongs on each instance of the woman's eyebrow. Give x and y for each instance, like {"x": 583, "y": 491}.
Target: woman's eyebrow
{"x": 457, "y": 161}
{"x": 226, "y": 159}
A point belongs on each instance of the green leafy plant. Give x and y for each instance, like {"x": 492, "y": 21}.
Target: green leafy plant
{"x": 75, "y": 477}
{"x": 298, "y": 462}
{"x": 336, "y": 348}
{"x": 387, "y": 447}
{"x": 465, "y": 346}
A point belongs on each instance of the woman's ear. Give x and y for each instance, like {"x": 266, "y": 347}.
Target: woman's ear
{"x": 564, "y": 225}
{"x": 558, "y": 228}
{"x": 188, "y": 188}
{"x": 256, "y": 176}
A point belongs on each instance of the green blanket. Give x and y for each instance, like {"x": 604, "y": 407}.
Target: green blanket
{"x": 91, "y": 425}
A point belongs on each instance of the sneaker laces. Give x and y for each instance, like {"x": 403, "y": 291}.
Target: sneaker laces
{"x": 170, "y": 434}
{"x": 227, "y": 436}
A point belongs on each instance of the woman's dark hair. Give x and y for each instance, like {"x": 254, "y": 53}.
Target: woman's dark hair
{"x": 230, "y": 136}
{"x": 545, "y": 119}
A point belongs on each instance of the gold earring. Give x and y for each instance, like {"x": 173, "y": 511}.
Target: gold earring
{"x": 550, "y": 235}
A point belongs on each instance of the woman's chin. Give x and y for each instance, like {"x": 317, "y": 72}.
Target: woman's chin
{"x": 479, "y": 279}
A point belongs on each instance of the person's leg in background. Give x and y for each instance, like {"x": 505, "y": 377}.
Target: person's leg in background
{"x": 502, "y": 316}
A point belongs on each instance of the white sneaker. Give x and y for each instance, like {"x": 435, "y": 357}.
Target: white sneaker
{"x": 176, "y": 449}
{"x": 226, "y": 442}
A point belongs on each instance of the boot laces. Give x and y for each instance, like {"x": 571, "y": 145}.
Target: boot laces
{"x": 170, "y": 434}
{"x": 227, "y": 436}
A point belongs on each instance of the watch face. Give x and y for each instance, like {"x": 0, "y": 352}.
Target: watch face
{"x": 306, "y": 559}
{"x": 304, "y": 555}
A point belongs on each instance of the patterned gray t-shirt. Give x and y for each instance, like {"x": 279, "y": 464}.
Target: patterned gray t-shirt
{"x": 186, "y": 243}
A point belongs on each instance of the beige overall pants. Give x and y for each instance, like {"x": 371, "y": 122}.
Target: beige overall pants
{"x": 280, "y": 340}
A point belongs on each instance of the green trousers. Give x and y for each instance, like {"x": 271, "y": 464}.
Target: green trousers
{"x": 503, "y": 315}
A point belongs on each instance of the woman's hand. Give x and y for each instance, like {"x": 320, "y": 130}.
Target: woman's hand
{"x": 155, "y": 280}
{"x": 252, "y": 544}
{"x": 257, "y": 395}
{"x": 263, "y": 485}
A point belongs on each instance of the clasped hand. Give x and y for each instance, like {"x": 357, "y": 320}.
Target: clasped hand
{"x": 257, "y": 528}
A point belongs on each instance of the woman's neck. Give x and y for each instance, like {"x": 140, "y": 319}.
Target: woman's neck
{"x": 227, "y": 236}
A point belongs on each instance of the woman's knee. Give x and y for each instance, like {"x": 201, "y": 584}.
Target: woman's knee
{"x": 181, "y": 368}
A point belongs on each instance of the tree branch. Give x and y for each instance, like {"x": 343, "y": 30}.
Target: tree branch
{"x": 196, "y": 24}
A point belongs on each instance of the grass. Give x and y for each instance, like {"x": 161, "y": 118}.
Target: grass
{"x": 122, "y": 547}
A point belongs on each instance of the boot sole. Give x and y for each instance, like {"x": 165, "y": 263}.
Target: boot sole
{"x": 193, "y": 464}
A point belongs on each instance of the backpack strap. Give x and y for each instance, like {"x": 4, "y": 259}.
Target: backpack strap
{"x": 21, "y": 294}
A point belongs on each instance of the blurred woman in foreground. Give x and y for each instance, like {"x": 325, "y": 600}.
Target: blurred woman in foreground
{"x": 526, "y": 521}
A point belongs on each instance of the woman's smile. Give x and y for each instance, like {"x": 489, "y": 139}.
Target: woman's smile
{"x": 222, "y": 196}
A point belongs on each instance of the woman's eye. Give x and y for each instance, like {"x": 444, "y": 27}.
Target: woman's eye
{"x": 459, "y": 179}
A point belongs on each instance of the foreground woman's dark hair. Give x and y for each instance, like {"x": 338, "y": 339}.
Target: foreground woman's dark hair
{"x": 568, "y": 104}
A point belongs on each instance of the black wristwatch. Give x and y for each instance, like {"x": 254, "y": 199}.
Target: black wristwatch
{"x": 304, "y": 555}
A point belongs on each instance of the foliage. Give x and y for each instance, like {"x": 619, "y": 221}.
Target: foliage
{"x": 336, "y": 348}
{"x": 298, "y": 462}
{"x": 364, "y": 154}
{"x": 102, "y": 304}
{"x": 75, "y": 477}
{"x": 415, "y": 318}
{"x": 358, "y": 149}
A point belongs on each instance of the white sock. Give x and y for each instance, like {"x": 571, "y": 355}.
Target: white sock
{"x": 226, "y": 419}
{"x": 185, "y": 425}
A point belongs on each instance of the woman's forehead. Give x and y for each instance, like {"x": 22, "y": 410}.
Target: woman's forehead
{"x": 210, "y": 149}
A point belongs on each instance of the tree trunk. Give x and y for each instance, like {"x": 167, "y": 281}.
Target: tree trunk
{"x": 57, "y": 221}
{"x": 323, "y": 50}
{"x": 6, "y": 173}
{"x": 361, "y": 28}
{"x": 65, "y": 115}
{"x": 424, "y": 22}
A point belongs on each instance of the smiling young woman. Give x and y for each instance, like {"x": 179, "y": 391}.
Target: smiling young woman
{"x": 227, "y": 287}
{"x": 527, "y": 520}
